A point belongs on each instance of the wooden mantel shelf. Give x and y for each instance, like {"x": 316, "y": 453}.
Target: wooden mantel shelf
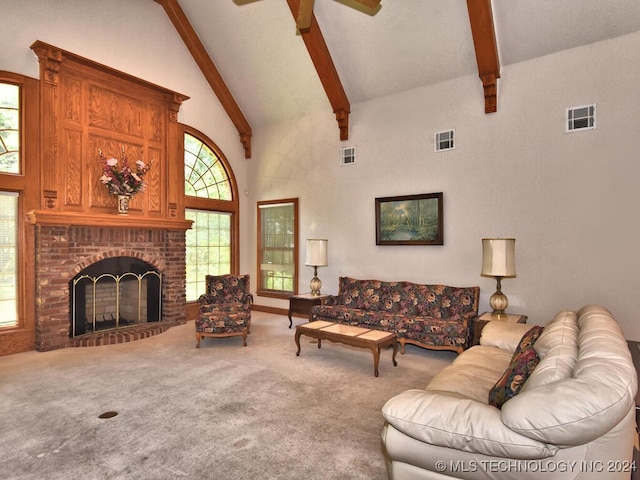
{"x": 44, "y": 217}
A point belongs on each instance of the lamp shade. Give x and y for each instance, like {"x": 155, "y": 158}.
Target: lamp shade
{"x": 499, "y": 257}
{"x": 317, "y": 252}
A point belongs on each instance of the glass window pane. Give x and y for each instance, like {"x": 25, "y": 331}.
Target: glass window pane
{"x": 9, "y": 128}
{"x": 8, "y": 259}
{"x": 205, "y": 175}
{"x": 208, "y": 249}
{"x": 277, "y": 247}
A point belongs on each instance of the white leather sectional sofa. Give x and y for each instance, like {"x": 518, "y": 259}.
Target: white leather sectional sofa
{"x": 573, "y": 419}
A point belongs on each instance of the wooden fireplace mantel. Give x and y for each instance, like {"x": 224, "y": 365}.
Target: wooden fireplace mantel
{"x": 44, "y": 217}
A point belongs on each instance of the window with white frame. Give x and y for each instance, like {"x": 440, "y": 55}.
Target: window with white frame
{"x": 444, "y": 140}
{"x": 581, "y": 118}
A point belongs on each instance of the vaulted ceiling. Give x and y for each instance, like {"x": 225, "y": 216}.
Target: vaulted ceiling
{"x": 265, "y": 71}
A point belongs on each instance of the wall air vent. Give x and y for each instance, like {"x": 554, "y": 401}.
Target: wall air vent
{"x": 347, "y": 156}
{"x": 581, "y": 118}
{"x": 444, "y": 140}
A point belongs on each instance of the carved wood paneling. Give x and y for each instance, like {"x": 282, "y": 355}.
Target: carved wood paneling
{"x": 115, "y": 111}
{"x": 71, "y": 152}
{"x": 156, "y": 123}
{"x": 71, "y": 109}
{"x": 153, "y": 189}
{"x": 86, "y": 107}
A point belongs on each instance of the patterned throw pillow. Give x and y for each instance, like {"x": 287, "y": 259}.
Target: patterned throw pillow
{"x": 522, "y": 363}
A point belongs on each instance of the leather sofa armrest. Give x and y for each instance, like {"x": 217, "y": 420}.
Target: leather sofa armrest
{"x": 505, "y": 336}
{"x": 454, "y": 421}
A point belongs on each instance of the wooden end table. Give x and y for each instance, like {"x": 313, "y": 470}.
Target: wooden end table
{"x": 353, "y": 336}
{"x": 480, "y": 321}
{"x": 303, "y": 303}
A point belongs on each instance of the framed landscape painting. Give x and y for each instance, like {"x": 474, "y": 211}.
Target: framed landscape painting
{"x": 410, "y": 220}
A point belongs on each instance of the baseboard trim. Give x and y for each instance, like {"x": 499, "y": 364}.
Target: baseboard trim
{"x": 274, "y": 310}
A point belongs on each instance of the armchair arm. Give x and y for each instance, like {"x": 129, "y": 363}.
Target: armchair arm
{"x": 454, "y": 421}
{"x": 247, "y": 299}
{"x": 204, "y": 299}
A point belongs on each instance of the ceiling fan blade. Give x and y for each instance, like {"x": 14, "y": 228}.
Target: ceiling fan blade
{"x": 369, "y": 3}
{"x": 305, "y": 11}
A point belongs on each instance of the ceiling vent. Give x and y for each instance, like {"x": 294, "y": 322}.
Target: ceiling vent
{"x": 444, "y": 140}
{"x": 581, "y": 118}
{"x": 347, "y": 156}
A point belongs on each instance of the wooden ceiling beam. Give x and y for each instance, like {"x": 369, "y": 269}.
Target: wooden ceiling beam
{"x": 209, "y": 70}
{"x": 327, "y": 72}
{"x": 484, "y": 41}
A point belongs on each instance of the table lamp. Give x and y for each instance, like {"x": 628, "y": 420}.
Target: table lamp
{"x": 316, "y": 257}
{"x": 499, "y": 261}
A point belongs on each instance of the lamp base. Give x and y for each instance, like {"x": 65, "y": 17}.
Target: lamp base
{"x": 315, "y": 284}
{"x": 498, "y": 301}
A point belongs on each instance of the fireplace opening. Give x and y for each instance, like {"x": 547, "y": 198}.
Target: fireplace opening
{"x": 114, "y": 293}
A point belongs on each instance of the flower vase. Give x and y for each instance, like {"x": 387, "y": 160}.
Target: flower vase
{"x": 123, "y": 204}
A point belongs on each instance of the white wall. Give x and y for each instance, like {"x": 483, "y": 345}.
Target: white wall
{"x": 570, "y": 200}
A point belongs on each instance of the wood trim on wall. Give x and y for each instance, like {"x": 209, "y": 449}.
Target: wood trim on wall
{"x": 22, "y": 337}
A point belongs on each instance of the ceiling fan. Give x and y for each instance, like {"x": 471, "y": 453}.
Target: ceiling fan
{"x": 303, "y": 21}
{"x": 306, "y": 10}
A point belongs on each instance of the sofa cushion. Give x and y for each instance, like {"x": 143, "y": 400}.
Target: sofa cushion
{"x": 450, "y": 420}
{"x": 522, "y": 363}
{"x": 557, "y": 348}
{"x": 561, "y": 330}
{"x": 503, "y": 335}
{"x": 473, "y": 373}
{"x": 585, "y": 406}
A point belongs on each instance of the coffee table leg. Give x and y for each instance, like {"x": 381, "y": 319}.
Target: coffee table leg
{"x": 376, "y": 359}
{"x": 297, "y": 337}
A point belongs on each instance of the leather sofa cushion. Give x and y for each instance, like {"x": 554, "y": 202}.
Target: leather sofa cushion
{"x": 557, "y": 348}
{"x": 473, "y": 373}
{"x": 598, "y": 395}
{"x": 451, "y": 420}
{"x": 505, "y": 336}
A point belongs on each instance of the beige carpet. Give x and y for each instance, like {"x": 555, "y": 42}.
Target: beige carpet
{"x": 221, "y": 412}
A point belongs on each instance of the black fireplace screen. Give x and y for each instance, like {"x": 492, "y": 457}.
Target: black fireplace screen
{"x": 114, "y": 293}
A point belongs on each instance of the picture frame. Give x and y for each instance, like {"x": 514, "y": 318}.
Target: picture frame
{"x": 410, "y": 220}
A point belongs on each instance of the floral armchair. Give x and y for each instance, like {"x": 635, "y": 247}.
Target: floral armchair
{"x": 225, "y": 308}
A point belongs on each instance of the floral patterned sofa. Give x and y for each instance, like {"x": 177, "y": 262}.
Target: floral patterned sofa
{"x": 431, "y": 316}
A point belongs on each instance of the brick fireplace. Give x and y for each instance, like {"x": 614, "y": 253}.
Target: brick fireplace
{"x": 62, "y": 251}
{"x": 85, "y": 108}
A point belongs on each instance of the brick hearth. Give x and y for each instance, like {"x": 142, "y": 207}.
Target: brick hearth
{"x": 63, "y": 251}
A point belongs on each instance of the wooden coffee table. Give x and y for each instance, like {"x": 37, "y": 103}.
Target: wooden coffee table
{"x": 353, "y": 336}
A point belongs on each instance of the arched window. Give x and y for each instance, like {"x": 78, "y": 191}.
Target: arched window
{"x": 205, "y": 175}
{"x": 211, "y": 202}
